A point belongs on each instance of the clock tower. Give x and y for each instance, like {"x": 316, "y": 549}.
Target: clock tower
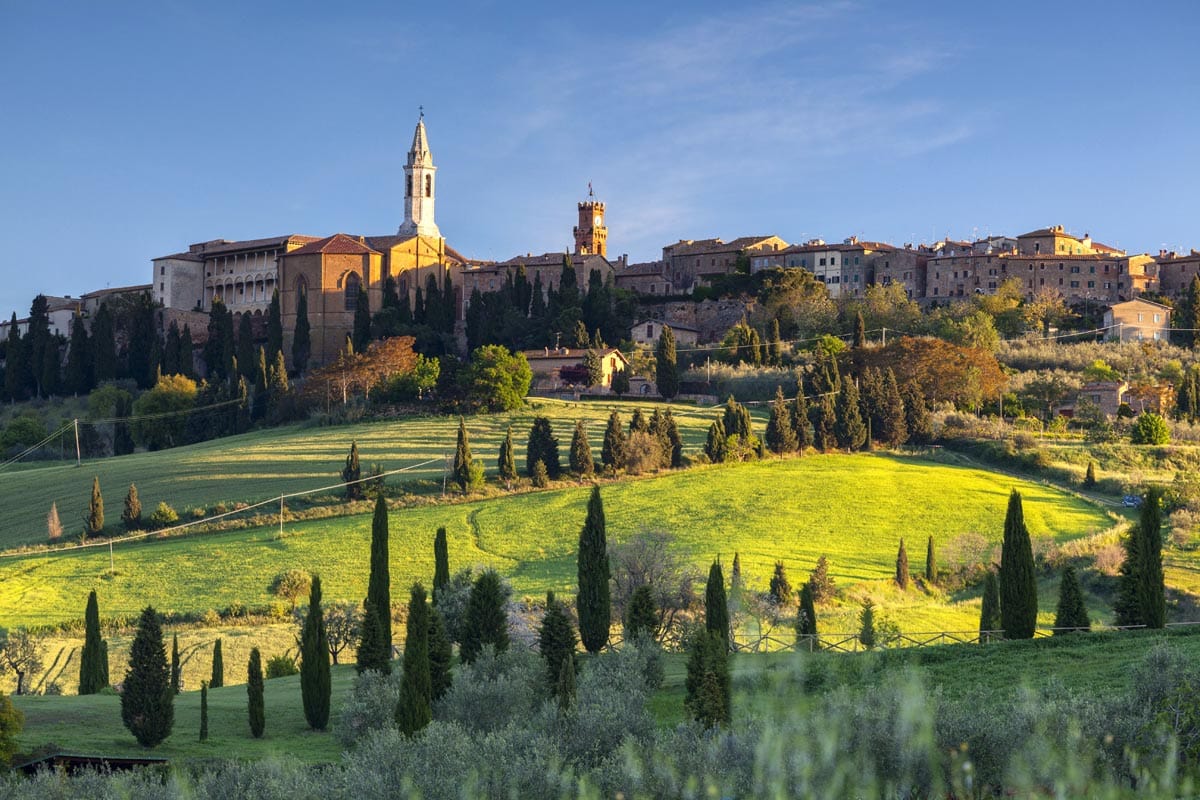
{"x": 591, "y": 234}
{"x": 419, "y": 188}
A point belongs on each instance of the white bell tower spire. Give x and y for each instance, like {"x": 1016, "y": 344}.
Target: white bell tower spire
{"x": 419, "y": 187}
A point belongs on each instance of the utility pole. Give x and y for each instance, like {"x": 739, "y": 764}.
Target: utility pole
{"x": 885, "y": 337}
{"x": 280, "y": 516}
{"x": 112, "y": 567}
{"x": 78, "y": 461}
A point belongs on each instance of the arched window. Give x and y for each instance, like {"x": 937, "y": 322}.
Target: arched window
{"x": 352, "y": 288}
{"x": 301, "y": 286}
{"x": 429, "y": 186}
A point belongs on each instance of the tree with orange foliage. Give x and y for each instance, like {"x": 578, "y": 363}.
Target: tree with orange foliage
{"x": 354, "y": 374}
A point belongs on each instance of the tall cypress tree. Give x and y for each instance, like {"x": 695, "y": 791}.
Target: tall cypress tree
{"x": 781, "y": 431}
{"x": 556, "y": 640}
{"x": 204, "y": 711}
{"x": 542, "y": 446}
{"x": 860, "y": 330}
{"x": 315, "y": 687}
{"x": 917, "y": 422}
{"x": 466, "y": 474}
{"x": 666, "y": 366}
{"x": 486, "y": 621}
{"x": 379, "y": 592}
{"x": 414, "y": 709}
{"x": 1018, "y": 582}
{"x": 1140, "y": 599}
{"x": 131, "y": 516}
{"x": 580, "y": 457}
{"x": 716, "y": 605}
{"x": 104, "y": 345}
{"x": 78, "y": 377}
{"x": 255, "y": 708}
{"x": 641, "y": 615}
{"x": 674, "y": 439}
{"x": 1072, "y": 611}
{"x": 708, "y": 692}
{"x": 91, "y": 673}
{"x": 218, "y": 667}
{"x": 614, "y": 453}
{"x": 16, "y": 363}
{"x": 362, "y": 322}
{"x": 800, "y": 423}
{"x": 301, "y": 336}
{"x": 931, "y": 571}
{"x": 441, "y": 563}
{"x": 274, "y": 327}
{"x": 507, "y": 465}
{"x": 902, "y": 566}
{"x": 147, "y": 702}
{"x": 848, "y": 426}
{"x": 176, "y": 677}
{"x": 593, "y": 602}
{"x": 352, "y": 473}
{"x": 806, "y": 618}
{"x": 94, "y": 521}
{"x": 441, "y": 655}
{"x": 370, "y": 653}
{"x": 245, "y": 348}
{"x": 891, "y": 429}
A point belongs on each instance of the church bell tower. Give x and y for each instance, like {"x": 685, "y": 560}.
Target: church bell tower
{"x": 591, "y": 234}
{"x": 419, "y": 187}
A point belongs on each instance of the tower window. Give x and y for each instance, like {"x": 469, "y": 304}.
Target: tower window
{"x": 408, "y": 186}
{"x": 429, "y": 186}
{"x": 353, "y": 284}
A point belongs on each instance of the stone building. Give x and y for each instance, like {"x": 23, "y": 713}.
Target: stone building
{"x": 1137, "y": 320}
{"x": 690, "y": 262}
{"x": 1175, "y": 272}
{"x": 648, "y": 331}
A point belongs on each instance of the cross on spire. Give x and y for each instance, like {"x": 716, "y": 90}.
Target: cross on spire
{"x": 422, "y": 110}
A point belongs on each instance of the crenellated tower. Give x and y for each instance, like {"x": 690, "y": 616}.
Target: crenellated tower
{"x": 591, "y": 234}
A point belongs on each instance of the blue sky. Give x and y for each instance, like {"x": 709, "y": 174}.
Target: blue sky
{"x": 133, "y": 129}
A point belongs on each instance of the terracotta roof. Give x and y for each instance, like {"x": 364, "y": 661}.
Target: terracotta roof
{"x": 221, "y": 246}
{"x": 551, "y": 260}
{"x": 1142, "y": 300}
{"x": 138, "y": 287}
{"x": 180, "y": 257}
{"x": 686, "y": 247}
{"x": 338, "y": 244}
{"x": 569, "y": 352}
{"x": 1046, "y": 232}
{"x": 644, "y": 268}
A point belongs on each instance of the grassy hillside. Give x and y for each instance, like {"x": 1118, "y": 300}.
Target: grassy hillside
{"x": 854, "y": 509}
{"x": 264, "y": 464}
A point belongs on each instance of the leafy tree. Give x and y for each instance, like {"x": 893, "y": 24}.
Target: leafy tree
{"x": 497, "y": 379}
{"x": 204, "y": 711}
{"x": 301, "y": 336}
{"x": 902, "y": 574}
{"x": 781, "y": 432}
{"x": 132, "y": 515}
{"x": 218, "y": 667}
{"x": 780, "y": 588}
{"x": 708, "y": 698}
{"x": 1071, "y": 612}
{"x": 315, "y": 688}
{"x": 716, "y": 605}
{"x": 291, "y": 585}
{"x": 542, "y": 446}
{"x": 21, "y": 654}
{"x": 666, "y": 367}
{"x": 931, "y": 571}
{"x": 468, "y": 473}
{"x": 507, "y": 462}
{"x": 93, "y": 521}
{"x": 91, "y": 671}
{"x": 486, "y": 622}
{"x": 1150, "y": 428}
{"x": 441, "y": 562}
{"x": 351, "y": 473}
{"x": 580, "y": 457}
{"x": 441, "y": 655}
{"x": 556, "y": 641}
{"x": 614, "y": 453}
{"x": 593, "y": 601}
{"x": 254, "y": 694}
{"x": 147, "y": 702}
{"x": 848, "y": 427}
{"x": 1018, "y": 582}
{"x": 1140, "y": 599}
{"x": 414, "y": 709}
{"x": 641, "y": 615}
{"x": 620, "y": 382}
{"x": 176, "y": 676}
{"x": 379, "y": 596}
{"x": 866, "y": 624}
{"x": 164, "y": 410}
{"x": 806, "y": 618}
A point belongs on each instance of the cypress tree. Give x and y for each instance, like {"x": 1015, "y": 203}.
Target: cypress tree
{"x": 593, "y": 602}
{"x": 218, "y": 667}
{"x": 781, "y": 431}
{"x": 716, "y": 446}
{"x": 15, "y": 361}
{"x": 466, "y": 474}
{"x": 1140, "y": 598}
{"x": 641, "y": 615}
{"x": 1071, "y": 612}
{"x": 1018, "y": 583}
{"x": 806, "y": 619}
{"x": 441, "y": 563}
{"x": 620, "y": 382}
{"x": 486, "y": 622}
{"x": 780, "y": 588}
{"x": 866, "y": 624}
{"x": 175, "y": 675}
{"x": 245, "y": 348}
{"x": 131, "y": 516}
{"x": 902, "y": 567}
{"x": 848, "y": 427}
{"x": 362, "y": 322}
{"x": 917, "y": 422}
{"x": 824, "y": 416}
{"x": 94, "y": 521}
{"x": 674, "y": 440}
{"x": 78, "y": 377}
{"x": 414, "y": 709}
{"x": 301, "y": 338}
{"x": 892, "y": 429}
{"x": 989, "y": 612}
{"x": 775, "y": 346}
{"x": 274, "y": 327}
{"x": 860, "y": 330}
{"x": 614, "y": 453}
{"x": 371, "y": 654}
{"x": 931, "y": 571}
{"x": 580, "y": 457}
{"x": 379, "y": 591}
{"x": 204, "y": 711}
{"x": 186, "y": 358}
{"x": 564, "y": 689}
{"x": 1089, "y": 480}
{"x": 254, "y": 694}
{"x": 716, "y": 605}
{"x": 315, "y": 686}
{"x": 800, "y": 423}
{"x": 104, "y": 346}
{"x": 667, "y": 369}
{"x": 441, "y": 655}
{"x": 540, "y": 478}
{"x": 638, "y": 423}
{"x": 147, "y": 702}
{"x": 556, "y": 640}
{"x": 507, "y": 462}
{"x": 708, "y": 697}
{"x": 542, "y": 446}
{"x": 104, "y": 662}
{"x": 91, "y": 673}
{"x": 351, "y": 473}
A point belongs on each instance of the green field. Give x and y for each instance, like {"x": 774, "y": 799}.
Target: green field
{"x": 854, "y": 509}
{"x": 263, "y": 464}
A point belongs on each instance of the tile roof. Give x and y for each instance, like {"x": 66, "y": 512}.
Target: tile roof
{"x": 180, "y": 257}
{"x": 644, "y": 268}
{"x": 221, "y": 246}
{"x": 685, "y": 247}
{"x": 338, "y": 244}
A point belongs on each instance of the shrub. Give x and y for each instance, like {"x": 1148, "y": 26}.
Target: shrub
{"x": 281, "y": 666}
{"x": 369, "y": 706}
{"x": 163, "y": 515}
{"x": 1150, "y": 428}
